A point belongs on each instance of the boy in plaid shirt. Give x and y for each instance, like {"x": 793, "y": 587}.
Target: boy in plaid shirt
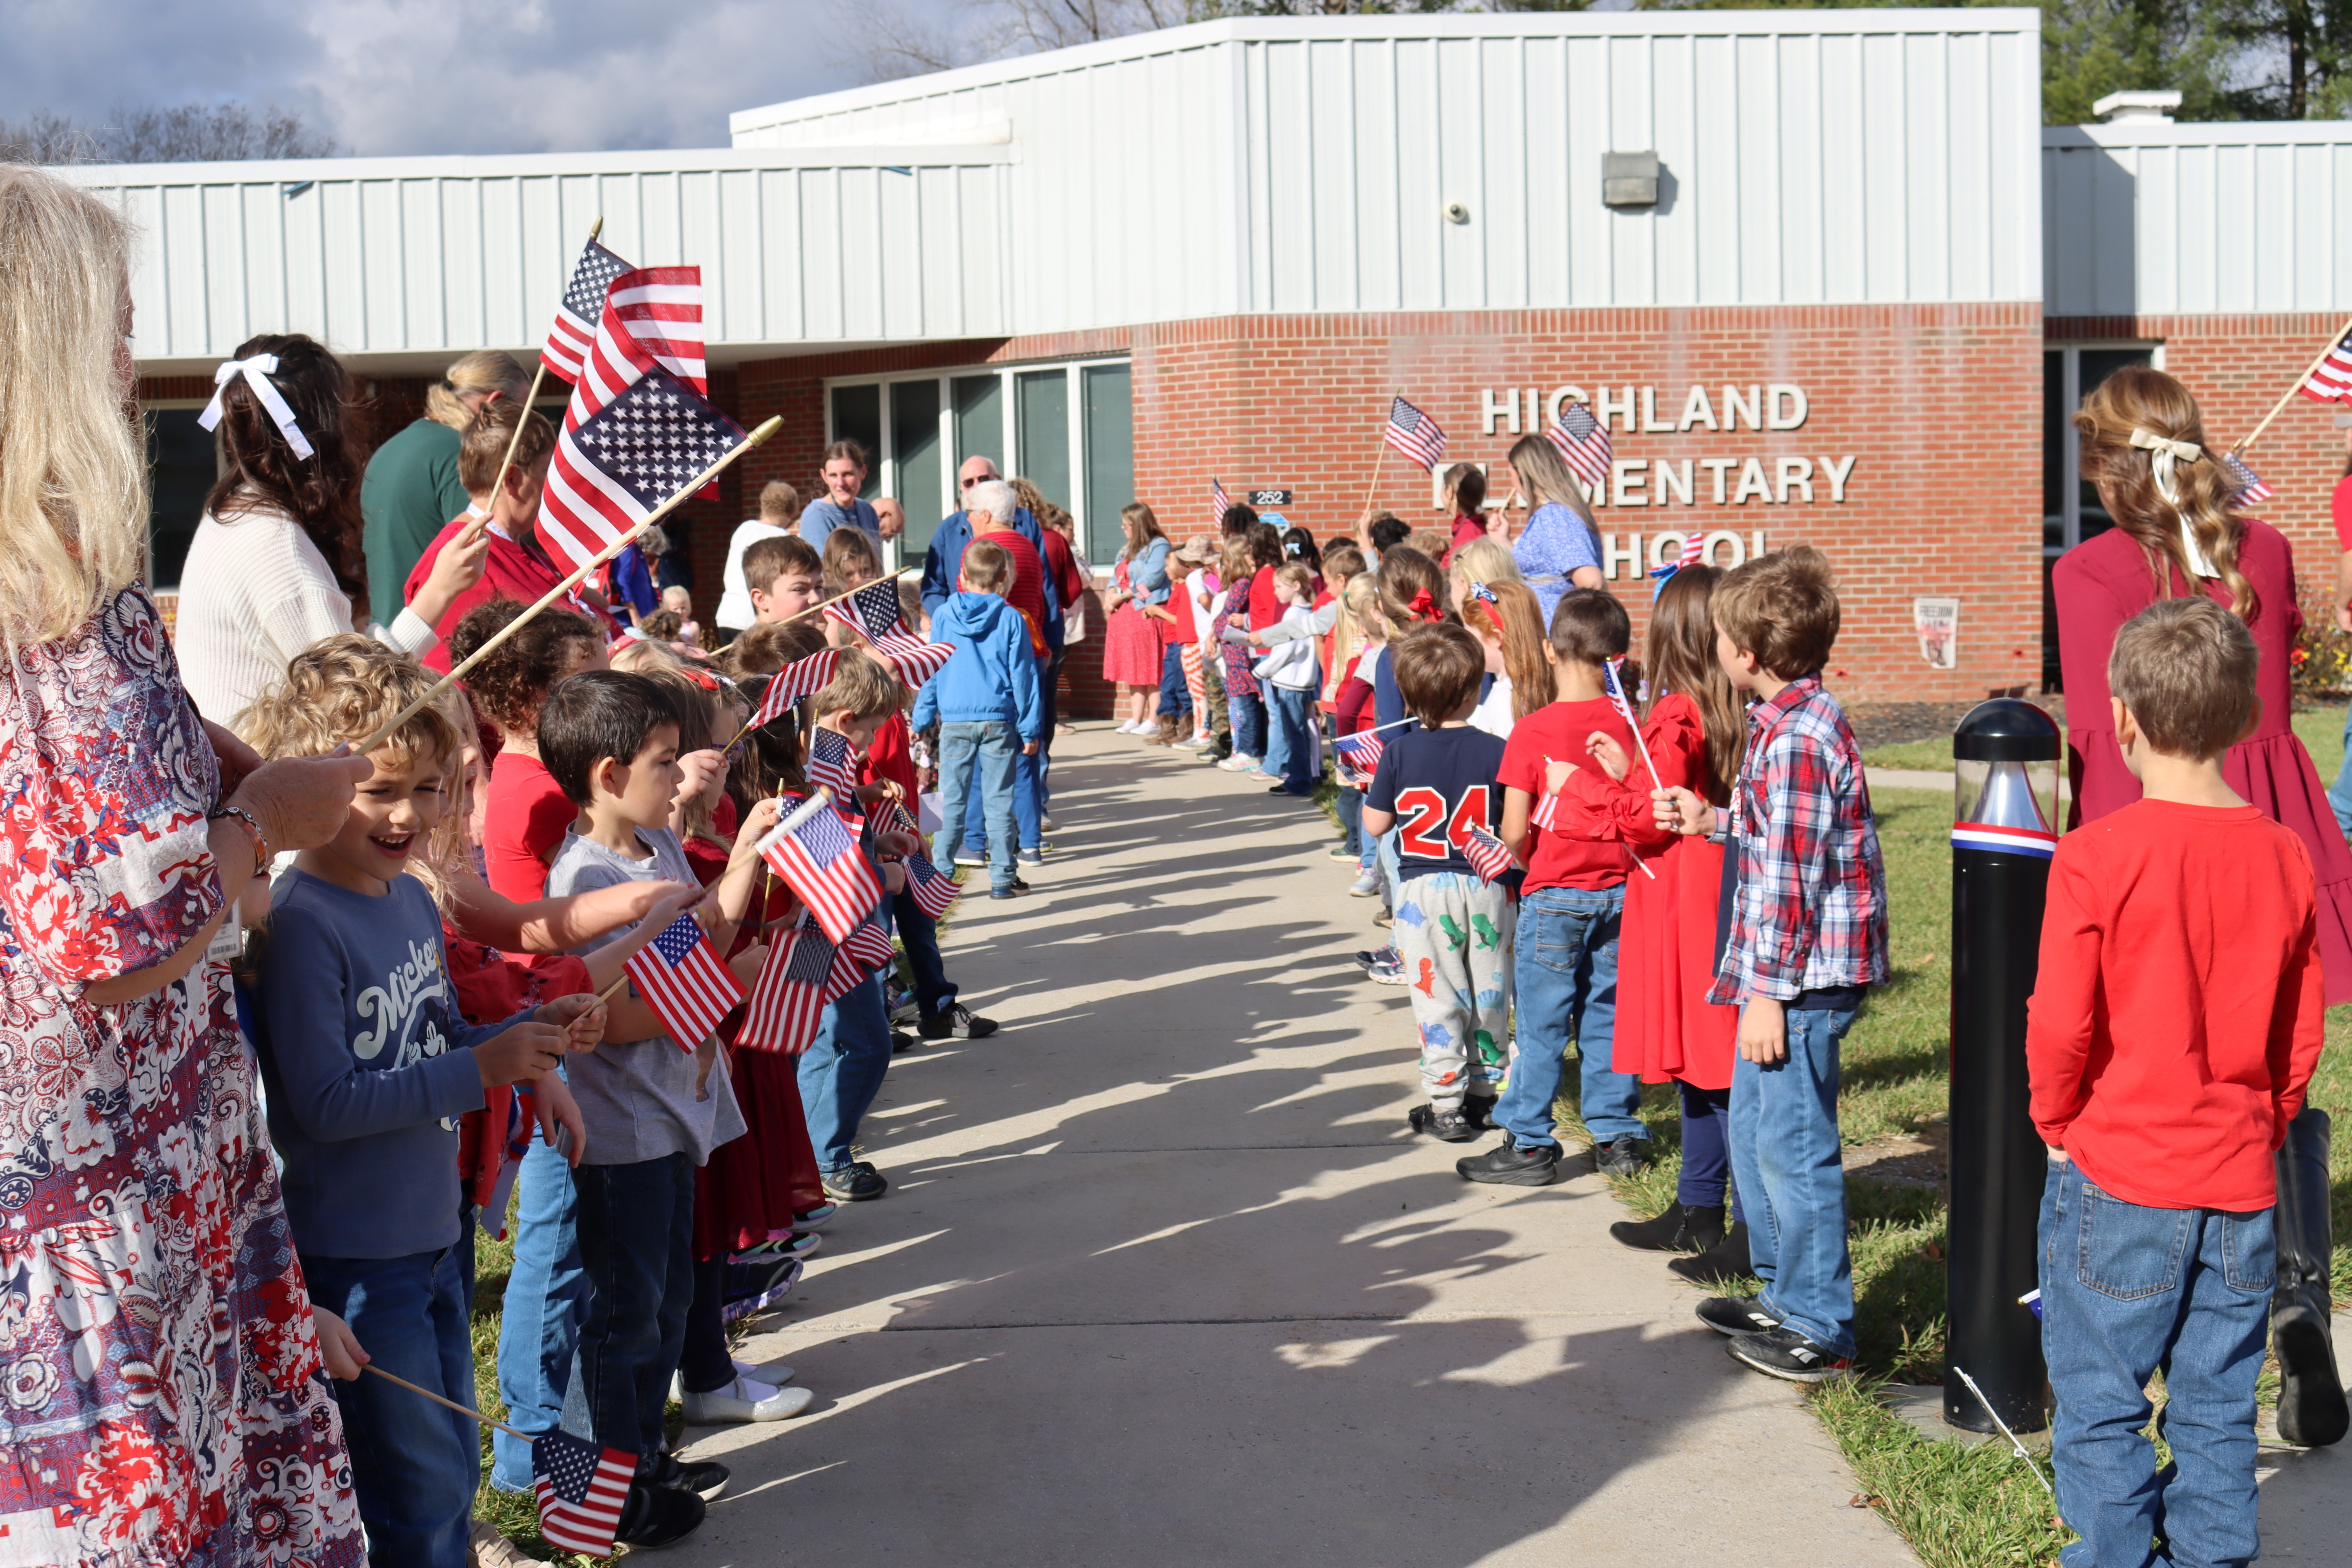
{"x": 1807, "y": 935}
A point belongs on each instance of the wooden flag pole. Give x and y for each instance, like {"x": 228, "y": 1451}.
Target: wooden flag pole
{"x": 470, "y": 1414}
{"x": 810, "y": 610}
{"x": 1372, "y": 488}
{"x": 537, "y": 376}
{"x": 2247, "y": 445}
{"x": 458, "y": 672}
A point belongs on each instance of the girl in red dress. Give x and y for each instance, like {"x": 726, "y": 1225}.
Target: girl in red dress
{"x": 2176, "y": 532}
{"x": 1666, "y": 1032}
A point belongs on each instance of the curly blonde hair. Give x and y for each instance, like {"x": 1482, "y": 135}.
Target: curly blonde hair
{"x": 339, "y": 691}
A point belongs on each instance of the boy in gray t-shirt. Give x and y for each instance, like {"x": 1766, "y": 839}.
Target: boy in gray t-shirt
{"x": 654, "y": 1109}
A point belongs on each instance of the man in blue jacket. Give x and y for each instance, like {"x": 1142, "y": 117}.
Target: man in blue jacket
{"x": 986, "y": 702}
{"x": 948, "y": 541}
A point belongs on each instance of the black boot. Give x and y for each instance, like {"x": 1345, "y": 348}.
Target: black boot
{"x": 1479, "y": 1111}
{"x": 1725, "y": 1263}
{"x": 2312, "y": 1413}
{"x": 1676, "y": 1230}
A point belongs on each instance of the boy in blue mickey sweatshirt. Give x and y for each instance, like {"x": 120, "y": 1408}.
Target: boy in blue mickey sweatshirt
{"x": 368, "y": 1064}
{"x": 987, "y": 703}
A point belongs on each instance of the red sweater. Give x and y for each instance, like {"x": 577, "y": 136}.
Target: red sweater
{"x": 2177, "y": 1014}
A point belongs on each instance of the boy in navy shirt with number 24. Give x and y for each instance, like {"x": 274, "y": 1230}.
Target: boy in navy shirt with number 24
{"x": 1453, "y": 928}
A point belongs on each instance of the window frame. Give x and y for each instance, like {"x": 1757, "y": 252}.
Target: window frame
{"x": 2069, "y": 516}
{"x": 220, "y": 465}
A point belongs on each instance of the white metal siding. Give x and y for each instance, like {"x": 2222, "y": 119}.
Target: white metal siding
{"x": 2196, "y": 219}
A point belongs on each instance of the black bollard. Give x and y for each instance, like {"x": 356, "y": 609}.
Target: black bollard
{"x": 2002, "y": 844}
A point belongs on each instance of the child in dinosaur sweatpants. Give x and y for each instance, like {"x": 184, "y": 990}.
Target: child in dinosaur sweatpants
{"x": 1453, "y": 928}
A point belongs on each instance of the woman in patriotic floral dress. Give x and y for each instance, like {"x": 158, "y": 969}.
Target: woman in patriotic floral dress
{"x": 161, "y": 1399}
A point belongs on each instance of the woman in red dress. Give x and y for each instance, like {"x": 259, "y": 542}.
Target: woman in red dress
{"x": 2202, "y": 546}
{"x": 1666, "y": 1032}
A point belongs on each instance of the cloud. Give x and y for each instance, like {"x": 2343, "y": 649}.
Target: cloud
{"x": 394, "y": 77}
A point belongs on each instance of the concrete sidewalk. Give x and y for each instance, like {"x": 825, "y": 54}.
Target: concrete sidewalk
{"x": 1161, "y": 1279}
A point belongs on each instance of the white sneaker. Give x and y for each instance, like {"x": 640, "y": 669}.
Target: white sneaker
{"x": 745, "y": 1399}
{"x": 1130, "y": 728}
{"x": 1239, "y": 764}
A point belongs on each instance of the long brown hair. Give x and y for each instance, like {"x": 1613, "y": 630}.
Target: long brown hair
{"x": 320, "y": 492}
{"x": 2138, "y": 398}
{"x": 1517, "y": 618}
{"x": 1404, "y": 574}
{"x": 1680, "y": 644}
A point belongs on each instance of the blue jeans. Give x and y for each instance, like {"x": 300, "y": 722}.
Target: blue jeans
{"x": 2126, "y": 1289}
{"x": 414, "y": 1464}
{"x": 1249, "y": 726}
{"x": 2339, "y": 794}
{"x": 976, "y": 763}
{"x": 919, "y": 935}
{"x": 1290, "y": 745}
{"x": 540, "y": 1331}
{"x": 1175, "y": 697}
{"x": 636, "y": 1239}
{"x": 1565, "y": 973}
{"x": 1350, "y": 804}
{"x": 842, "y": 1070}
{"x": 1784, "y": 1160}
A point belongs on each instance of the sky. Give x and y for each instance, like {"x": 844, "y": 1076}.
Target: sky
{"x": 396, "y": 76}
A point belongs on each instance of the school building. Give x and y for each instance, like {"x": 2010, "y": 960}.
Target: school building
{"x": 1825, "y": 272}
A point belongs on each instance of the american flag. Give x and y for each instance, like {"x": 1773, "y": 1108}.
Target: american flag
{"x": 1584, "y": 442}
{"x": 1415, "y": 434}
{"x": 580, "y": 1490}
{"x": 867, "y": 950}
{"x": 1359, "y": 753}
{"x": 617, "y": 467}
{"x": 2331, "y": 380}
{"x": 872, "y": 612}
{"x": 1219, "y": 502}
{"x": 915, "y": 660}
{"x": 2251, "y": 491}
{"x": 652, "y": 316}
{"x": 822, "y": 864}
{"x": 802, "y": 678}
{"x": 830, "y": 764}
{"x": 582, "y": 307}
{"x": 1612, "y": 676}
{"x": 684, "y": 982}
{"x": 933, "y": 890}
{"x": 788, "y": 1000}
{"x": 1486, "y": 855}
{"x": 1547, "y": 806}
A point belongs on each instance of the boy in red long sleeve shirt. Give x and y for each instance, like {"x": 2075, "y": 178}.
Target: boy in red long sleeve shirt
{"x": 2176, "y": 1021}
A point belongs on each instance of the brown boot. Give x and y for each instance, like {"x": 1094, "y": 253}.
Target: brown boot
{"x": 1166, "y": 736}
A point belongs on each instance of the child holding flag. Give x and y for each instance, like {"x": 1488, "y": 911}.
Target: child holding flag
{"x": 1453, "y": 926}
{"x": 654, "y": 1108}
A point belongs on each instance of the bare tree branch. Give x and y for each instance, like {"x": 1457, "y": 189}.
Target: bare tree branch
{"x": 182, "y": 134}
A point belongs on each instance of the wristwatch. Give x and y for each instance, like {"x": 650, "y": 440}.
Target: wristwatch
{"x": 253, "y": 831}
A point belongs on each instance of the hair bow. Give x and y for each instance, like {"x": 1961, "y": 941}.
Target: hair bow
{"x": 2164, "y": 452}
{"x": 1486, "y": 598}
{"x": 1424, "y": 607}
{"x": 257, "y": 372}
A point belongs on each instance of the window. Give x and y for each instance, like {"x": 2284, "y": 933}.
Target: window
{"x": 2070, "y": 512}
{"x": 182, "y": 462}
{"x": 1067, "y": 428}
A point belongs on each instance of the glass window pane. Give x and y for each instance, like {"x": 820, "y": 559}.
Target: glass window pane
{"x": 2053, "y": 448}
{"x": 2097, "y": 364}
{"x": 1042, "y": 401}
{"x": 915, "y": 448}
{"x": 857, "y": 416}
{"x": 181, "y": 461}
{"x": 1110, "y": 454}
{"x": 979, "y": 420}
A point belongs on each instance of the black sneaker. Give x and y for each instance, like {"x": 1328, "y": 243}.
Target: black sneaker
{"x": 1445, "y": 1126}
{"x": 1479, "y": 1111}
{"x": 1725, "y": 1263}
{"x": 699, "y": 1478}
{"x": 1785, "y": 1353}
{"x": 1737, "y": 1315}
{"x": 1679, "y": 1230}
{"x": 854, "y": 1184}
{"x": 959, "y": 1022}
{"x": 653, "y": 1517}
{"x": 901, "y": 1042}
{"x": 1370, "y": 958}
{"x": 1507, "y": 1164}
{"x": 1624, "y": 1157}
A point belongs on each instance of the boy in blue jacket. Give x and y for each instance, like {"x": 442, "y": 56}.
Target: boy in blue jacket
{"x": 987, "y": 703}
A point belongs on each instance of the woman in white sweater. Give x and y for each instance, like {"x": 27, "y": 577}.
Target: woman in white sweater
{"x": 276, "y": 564}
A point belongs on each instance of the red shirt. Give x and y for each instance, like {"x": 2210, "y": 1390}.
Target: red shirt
{"x": 1465, "y": 528}
{"x": 523, "y": 821}
{"x": 1582, "y": 849}
{"x": 2178, "y": 1013}
{"x": 1264, "y": 609}
{"x": 1027, "y": 594}
{"x": 891, "y": 757}
{"x": 511, "y": 572}
{"x": 2340, "y": 505}
{"x": 1062, "y": 569}
{"x": 1184, "y": 628}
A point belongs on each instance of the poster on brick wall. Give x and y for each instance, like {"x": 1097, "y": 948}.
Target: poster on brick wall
{"x": 1938, "y": 622}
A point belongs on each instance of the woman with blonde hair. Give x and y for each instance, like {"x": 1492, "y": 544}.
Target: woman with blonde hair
{"x": 1560, "y": 549}
{"x": 1132, "y": 654}
{"x": 163, "y": 1404}
{"x": 412, "y": 491}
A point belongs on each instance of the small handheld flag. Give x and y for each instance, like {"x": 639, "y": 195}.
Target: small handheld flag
{"x": 867, "y": 950}
{"x": 1613, "y": 675}
{"x": 2251, "y": 490}
{"x": 933, "y": 890}
{"x": 872, "y": 612}
{"x": 684, "y": 982}
{"x": 1218, "y": 504}
{"x": 816, "y": 855}
{"x": 581, "y": 1492}
{"x": 788, "y": 1000}
{"x": 1361, "y": 753}
{"x": 1584, "y": 442}
{"x": 1547, "y": 807}
{"x": 1415, "y": 434}
{"x": 1486, "y": 855}
{"x": 583, "y": 306}
{"x": 802, "y": 677}
{"x": 614, "y": 469}
{"x": 2330, "y": 380}
{"x": 832, "y": 764}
